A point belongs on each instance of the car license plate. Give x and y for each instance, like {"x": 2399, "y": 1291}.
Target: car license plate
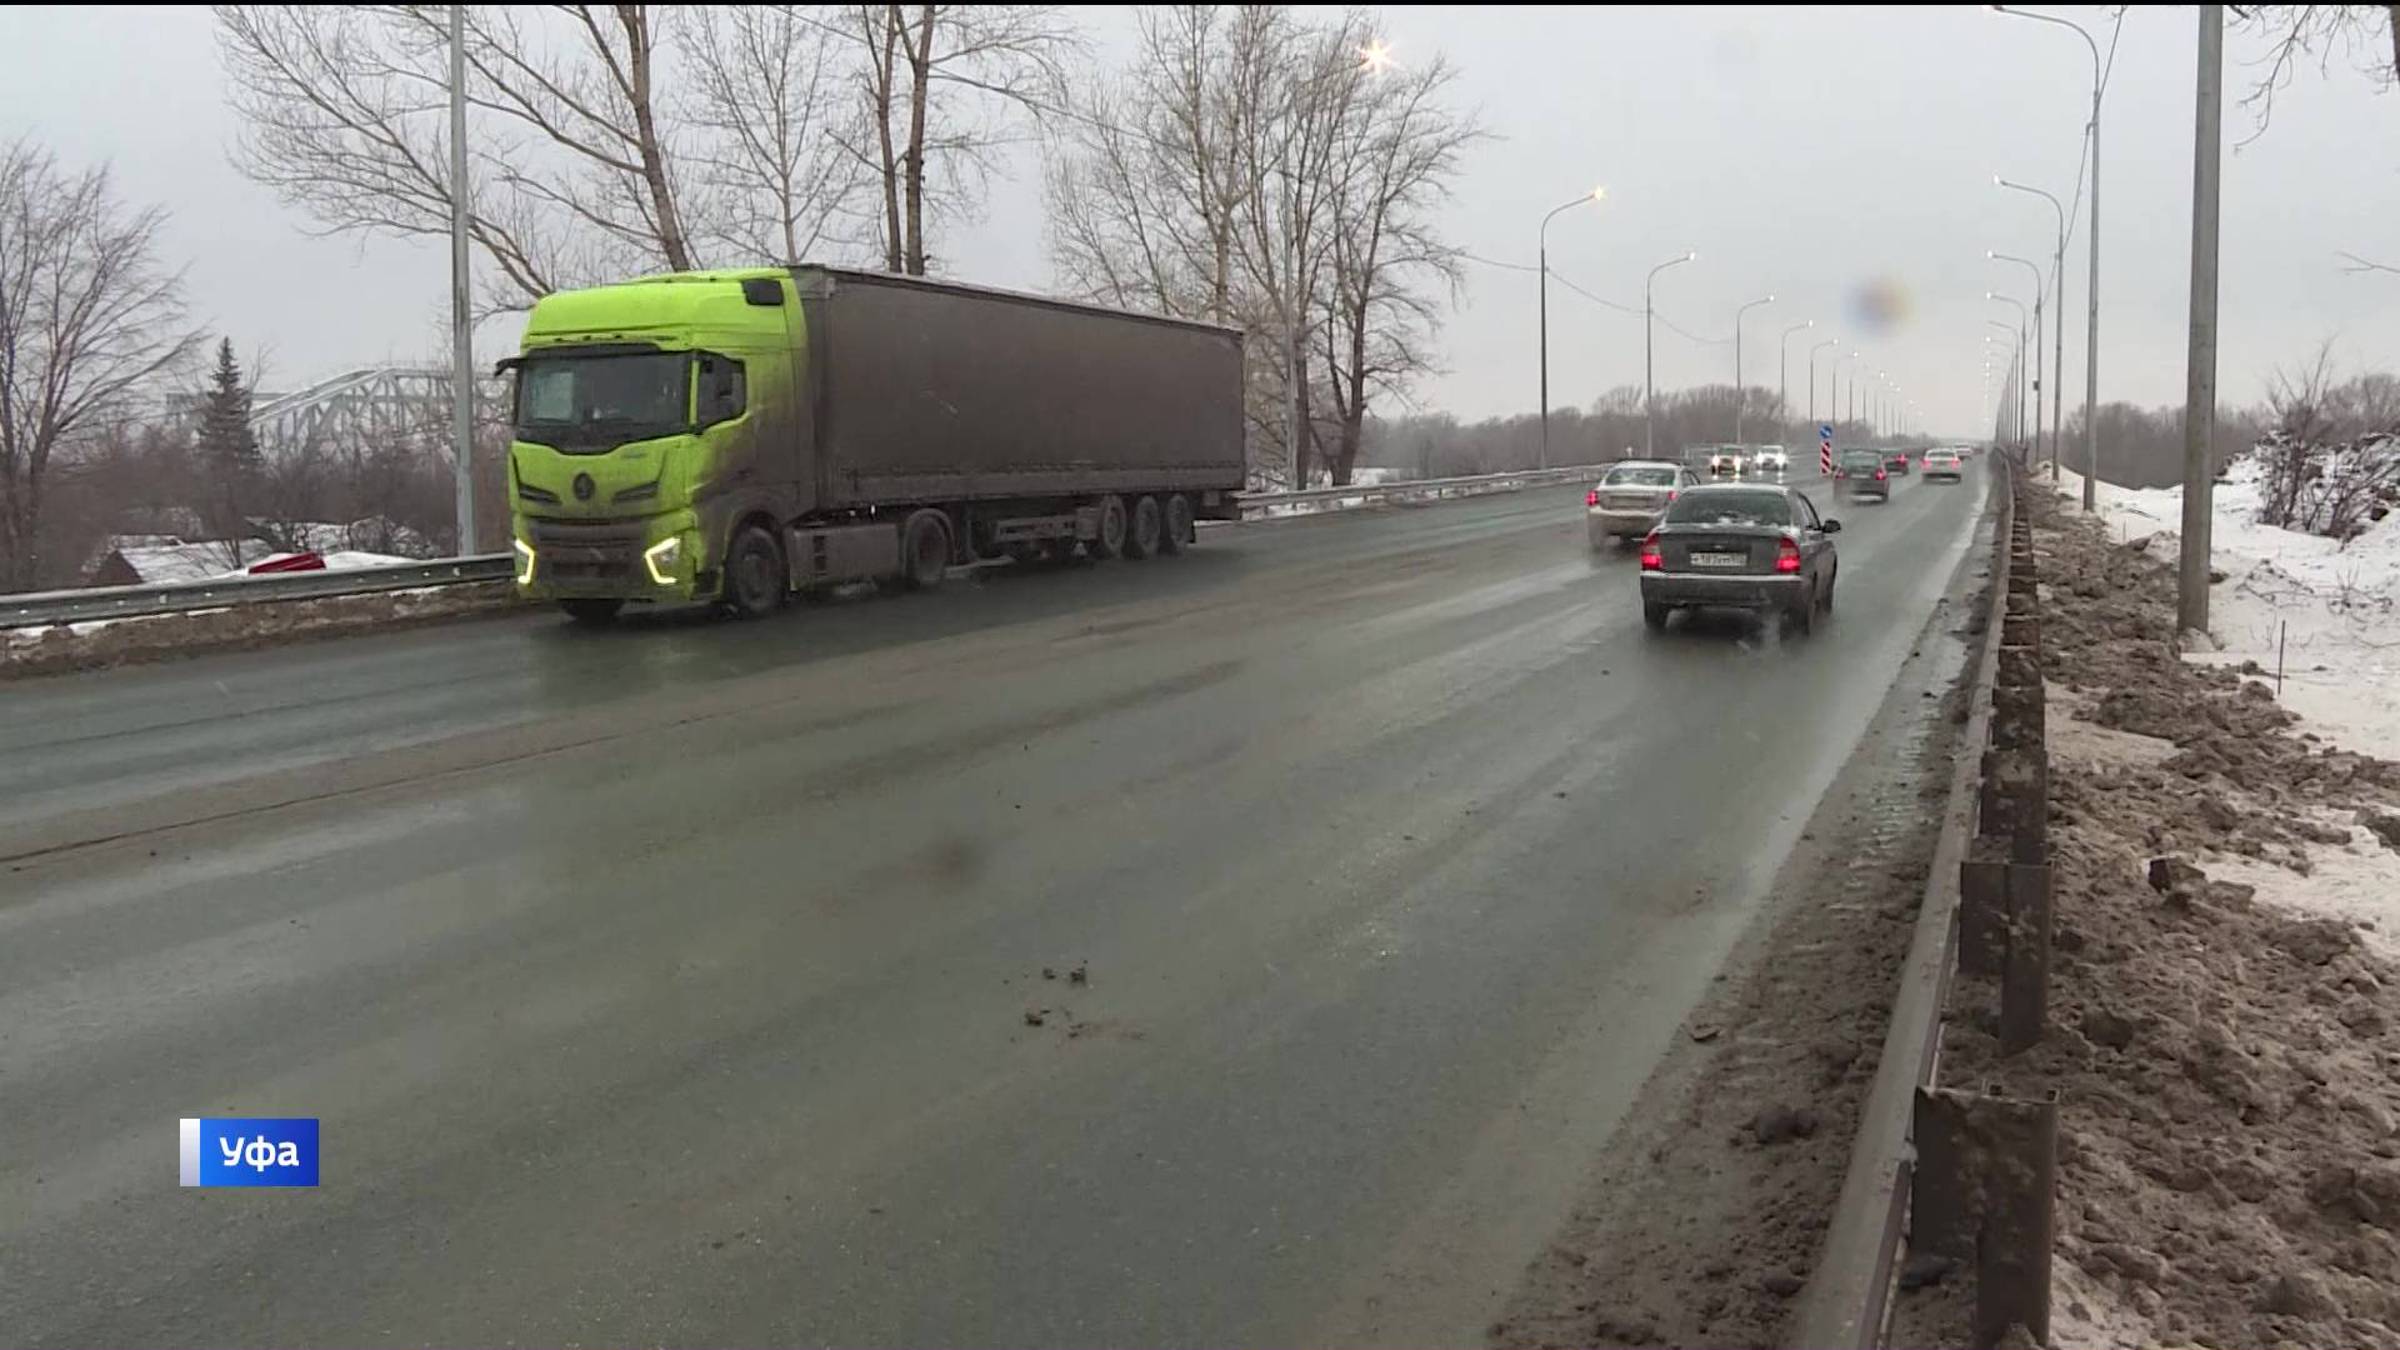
{"x": 1719, "y": 559}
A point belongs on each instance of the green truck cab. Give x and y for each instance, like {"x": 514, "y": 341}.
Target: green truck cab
{"x": 730, "y": 437}
{"x": 642, "y": 416}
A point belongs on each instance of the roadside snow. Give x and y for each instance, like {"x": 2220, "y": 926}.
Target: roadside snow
{"x": 2336, "y": 610}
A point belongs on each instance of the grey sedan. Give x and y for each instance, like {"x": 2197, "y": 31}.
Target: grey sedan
{"x": 1630, "y": 498}
{"x": 1740, "y": 546}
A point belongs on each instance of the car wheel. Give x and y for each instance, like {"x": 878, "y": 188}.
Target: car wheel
{"x": 754, "y": 579}
{"x": 1830, "y": 578}
{"x": 1655, "y": 615}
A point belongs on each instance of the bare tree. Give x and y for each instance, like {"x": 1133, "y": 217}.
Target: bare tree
{"x": 87, "y": 318}
{"x": 2297, "y": 400}
{"x": 1146, "y": 180}
{"x": 940, "y": 87}
{"x": 1400, "y": 151}
{"x": 342, "y": 112}
{"x": 2369, "y": 34}
{"x": 766, "y": 93}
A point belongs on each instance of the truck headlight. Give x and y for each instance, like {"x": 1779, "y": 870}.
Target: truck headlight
{"x": 524, "y": 562}
{"x": 662, "y": 558}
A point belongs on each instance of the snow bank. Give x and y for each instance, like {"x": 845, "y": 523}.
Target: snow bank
{"x": 2335, "y": 610}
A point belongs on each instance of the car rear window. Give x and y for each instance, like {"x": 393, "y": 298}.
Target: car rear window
{"x": 1650, "y": 475}
{"x": 1861, "y": 459}
{"x": 1730, "y": 508}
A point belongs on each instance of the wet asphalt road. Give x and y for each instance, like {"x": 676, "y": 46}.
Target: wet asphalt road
{"x": 673, "y": 984}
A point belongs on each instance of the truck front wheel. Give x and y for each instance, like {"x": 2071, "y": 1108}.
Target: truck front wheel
{"x": 1179, "y": 524}
{"x": 1142, "y": 540}
{"x": 754, "y": 579}
{"x": 1110, "y": 542}
{"x": 925, "y": 550}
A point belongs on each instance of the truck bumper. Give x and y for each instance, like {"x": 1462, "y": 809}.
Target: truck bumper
{"x": 657, "y": 558}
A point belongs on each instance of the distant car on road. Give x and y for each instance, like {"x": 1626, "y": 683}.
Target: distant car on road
{"x": 1896, "y": 461}
{"x": 1771, "y": 459}
{"x": 1861, "y": 474}
{"x": 1630, "y": 497}
{"x": 1754, "y": 546}
{"x": 1943, "y": 464}
{"x": 1725, "y": 462}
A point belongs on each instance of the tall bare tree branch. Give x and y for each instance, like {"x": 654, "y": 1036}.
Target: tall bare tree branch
{"x": 88, "y": 317}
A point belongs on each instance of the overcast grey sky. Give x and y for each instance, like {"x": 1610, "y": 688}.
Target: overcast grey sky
{"x": 1810, "y": 152}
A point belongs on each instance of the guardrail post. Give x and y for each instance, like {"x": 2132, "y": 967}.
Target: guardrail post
{"x": 2025, "y": 975}
{"x": 1984, "y": 1184}
{"x": 2014, "y": 1240}
{"x": 1942, "y": 1193}
{"x": 1982, "y": 914}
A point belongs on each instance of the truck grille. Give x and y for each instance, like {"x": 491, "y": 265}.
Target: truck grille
{"x": 597, "y": 552}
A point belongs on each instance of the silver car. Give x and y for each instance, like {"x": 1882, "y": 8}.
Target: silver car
{"x": 1630, "y": 497}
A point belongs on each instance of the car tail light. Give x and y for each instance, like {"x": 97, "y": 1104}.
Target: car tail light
{"x": 1592, "y": 498}
{"x": 1651, "y": 561}
{"x": 1672, "y": 494}
{"x": 1879, "y": 475}
{"x": 1787, "y": 556}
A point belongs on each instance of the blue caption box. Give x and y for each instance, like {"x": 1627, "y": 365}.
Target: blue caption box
{"x": 249, "y": 1151}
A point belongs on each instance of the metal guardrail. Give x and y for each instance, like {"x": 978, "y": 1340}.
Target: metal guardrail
{"x": 42, "y": 608}
{"x": 1427, "y": 487}
{"x": 127, "y": 602}
{"x": 1848, "y": 1296}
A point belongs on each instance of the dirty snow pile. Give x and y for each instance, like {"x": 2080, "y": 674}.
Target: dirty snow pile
{"x": 2225, "y": 1002}
{"x": 2333, "y": 606}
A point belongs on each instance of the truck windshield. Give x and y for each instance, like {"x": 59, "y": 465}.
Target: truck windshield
{"x": 593, "y": 402}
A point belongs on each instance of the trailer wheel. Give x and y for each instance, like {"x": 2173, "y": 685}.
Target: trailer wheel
{"x": 754, "y": 577}
{"x": 592, "y": 613}
{"x": 925, "y": 550}
{"x": 1179, "y": 524}
{"x": 1142, "y": 540}
{"x": 1110, "y": 542}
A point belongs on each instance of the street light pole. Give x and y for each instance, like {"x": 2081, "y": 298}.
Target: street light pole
{"x": 2036, "y": 269}
{"x": 2021, "y": 367}
{"x": 462, "y": 331}
{"x": 2200, "y": 372}
{"x": 1783, "y": 376}
{"x": 1543, "y": 241}
{"x": 1741, "y": 392}
{"x": 2091, "y": 341}
{"x": 2010, "y": 404}
{"x": 1649, "y": 365}
{"x": 1812, "y": 377}
{"x": 2058, "y": 322}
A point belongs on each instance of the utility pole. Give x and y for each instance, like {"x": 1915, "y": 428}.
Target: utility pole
{"x": 2200, "y": 372}
{"x": 462, "y": 334}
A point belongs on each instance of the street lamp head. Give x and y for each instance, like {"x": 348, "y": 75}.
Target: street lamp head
{"x": 1693, "y": 256}
{"x": 1770, "y": 298}
{"x": 1599, "y": 194}
{"x": 1375, "y": 57}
